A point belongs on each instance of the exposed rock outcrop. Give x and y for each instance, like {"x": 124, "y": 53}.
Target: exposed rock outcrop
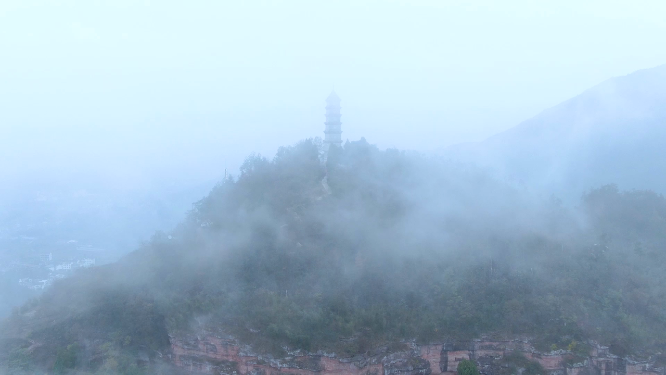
{"x": 214, "y": 354}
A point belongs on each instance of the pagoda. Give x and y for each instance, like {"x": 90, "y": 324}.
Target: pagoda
{"x": 333, "y": 132}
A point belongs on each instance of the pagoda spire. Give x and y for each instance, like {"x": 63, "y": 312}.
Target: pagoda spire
{"x": 333, "y": 132}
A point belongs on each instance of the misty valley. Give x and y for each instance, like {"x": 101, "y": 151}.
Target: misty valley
{"x": 346, "y": 258}
{"x": 169, "y": 206}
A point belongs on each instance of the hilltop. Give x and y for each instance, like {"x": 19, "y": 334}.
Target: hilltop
{"x": 359, "y": 251}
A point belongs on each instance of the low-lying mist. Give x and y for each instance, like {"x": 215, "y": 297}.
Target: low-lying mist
{"x": 312, "y": 247}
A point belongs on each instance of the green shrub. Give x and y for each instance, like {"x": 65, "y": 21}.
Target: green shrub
{"x": 467, "y": 367}
{"x": 65, "y": 359}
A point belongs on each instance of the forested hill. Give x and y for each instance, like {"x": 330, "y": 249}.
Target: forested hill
{"x": 369, "y": 247}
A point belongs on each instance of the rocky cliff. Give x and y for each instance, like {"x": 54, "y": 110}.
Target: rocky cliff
{"x": 216, "y": 354}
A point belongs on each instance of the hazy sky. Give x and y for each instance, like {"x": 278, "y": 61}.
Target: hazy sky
{"x": 135, "y": 89}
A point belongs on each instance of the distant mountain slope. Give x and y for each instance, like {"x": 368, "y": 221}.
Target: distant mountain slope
{"x": 614, "y": 132}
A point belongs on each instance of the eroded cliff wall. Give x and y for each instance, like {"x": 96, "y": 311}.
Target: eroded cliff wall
{"x": 215, "y": 354}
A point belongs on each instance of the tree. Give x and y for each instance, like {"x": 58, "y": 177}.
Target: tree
{"x": 467, "y": 367}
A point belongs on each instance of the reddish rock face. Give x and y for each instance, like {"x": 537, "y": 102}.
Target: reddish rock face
{"x": 549, "y": 362}
{"x": 433, "y": 354}
{"x": 454, "y": 358}
{"x": 214, "y": 355}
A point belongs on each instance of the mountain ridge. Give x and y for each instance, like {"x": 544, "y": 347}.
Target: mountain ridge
{"x": 606, "y": 129}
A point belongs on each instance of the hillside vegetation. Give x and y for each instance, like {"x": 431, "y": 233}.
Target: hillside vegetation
{"x": 367, "y": 248}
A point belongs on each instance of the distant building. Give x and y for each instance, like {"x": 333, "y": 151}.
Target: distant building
{"x": 63, "y": 266}
{"x": 85, "y": 263}
{"x": 44, "y": 258}
{"x": 41, "y": 285}
{"x": 333, "y": 130}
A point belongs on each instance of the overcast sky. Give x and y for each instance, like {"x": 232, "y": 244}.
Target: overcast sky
{"x": 133, "y": 89}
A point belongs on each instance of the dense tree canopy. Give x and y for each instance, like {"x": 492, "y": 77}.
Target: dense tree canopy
{"x": 370, "y": 246}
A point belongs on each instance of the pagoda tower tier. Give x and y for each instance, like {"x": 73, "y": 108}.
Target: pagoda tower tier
{"x": 333, "y": 130}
